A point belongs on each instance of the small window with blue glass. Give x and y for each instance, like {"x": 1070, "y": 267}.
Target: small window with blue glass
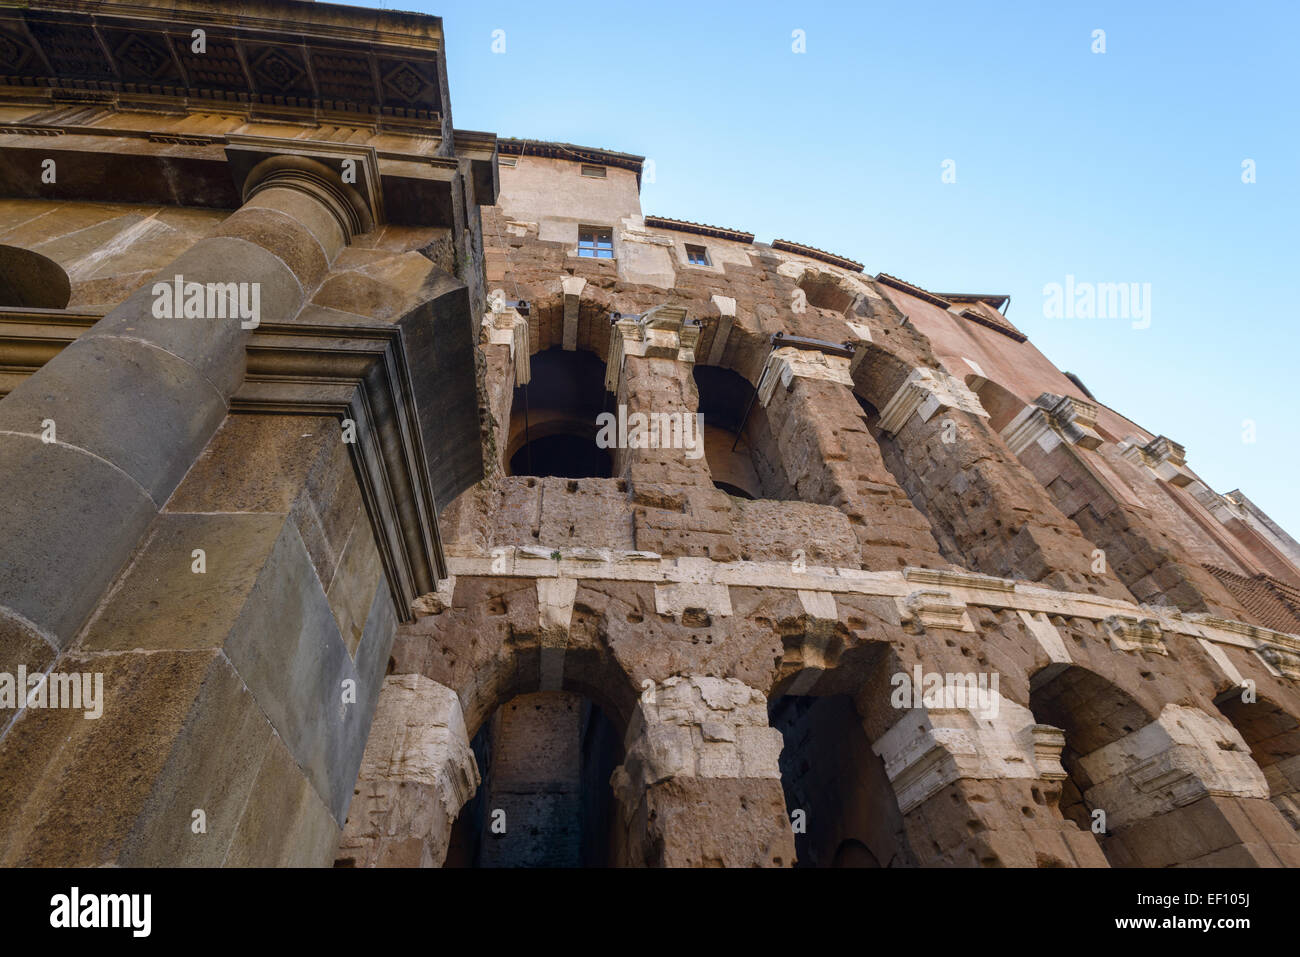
{"x": 595, "y": 242}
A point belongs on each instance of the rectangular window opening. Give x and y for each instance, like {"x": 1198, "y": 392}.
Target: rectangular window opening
{"x": 597, "y": 171}
{"x": 596, "y": 242}
{"x": 697, "y": 255}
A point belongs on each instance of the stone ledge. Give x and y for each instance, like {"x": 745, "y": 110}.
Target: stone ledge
{"x": 1279, "y": 651}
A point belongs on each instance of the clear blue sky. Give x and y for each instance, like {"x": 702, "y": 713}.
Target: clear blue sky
{"x": 1117, "y": 167}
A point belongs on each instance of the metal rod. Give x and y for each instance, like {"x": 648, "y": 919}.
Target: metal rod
{"x": 749, "y": 408}
{"x": 528, "y": 445}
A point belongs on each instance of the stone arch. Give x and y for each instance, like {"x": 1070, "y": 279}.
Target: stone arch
{"x": 968, "y": 780}
{"x": 559, "y": 766}
{"x": 1091, "y": 712}
{"x": 552, "y": 428}
{"x": 545, "y": 760}
{"x": 486, "y": 644}
{"x": 726, "y": 402}
{"x": 30, "y": 280}
{"x": 533, "y": 650}
{"x": 836, "y": 784}
{"x": 1272, "y": 732}
{"x": 1176, "y": 788}
{"x": 879, "y": 373}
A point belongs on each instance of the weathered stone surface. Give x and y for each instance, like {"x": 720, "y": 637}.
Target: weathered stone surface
{"x": 661, "y": 653}
{"x": 417, "y": 773}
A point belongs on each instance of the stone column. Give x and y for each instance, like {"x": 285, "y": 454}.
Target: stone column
{"x": 1055, "y": 439}
{"x": 650, "y": 371}
{"x": 987, "y": 510}
{"x": 242, "y": 646}
{"x": 506, "y": 348}
{"x": 96, "y": 441}
{"x": 700, "y": 785}
{"x": 981, "y": 789}
{"x": 829, "y": 457}
{"x": 417, "y": 773}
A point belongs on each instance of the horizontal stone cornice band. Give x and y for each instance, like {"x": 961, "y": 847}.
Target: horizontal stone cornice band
{"x": 959, "y": 587}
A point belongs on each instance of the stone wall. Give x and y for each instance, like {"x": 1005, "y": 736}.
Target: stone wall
{"x": 894, "y": 529}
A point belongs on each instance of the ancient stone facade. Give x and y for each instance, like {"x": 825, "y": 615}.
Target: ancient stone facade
{"x": 515, "y": 527}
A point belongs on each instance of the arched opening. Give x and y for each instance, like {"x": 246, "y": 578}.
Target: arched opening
{"x": 823, "y": 291}
{"x": 1092, "y": 712}
{"x": 1273, "y": 735}
{"x": 553, "y": 419}
{"x": 843, "y": 808}
{"x": 30, "y": 280}
{"x": 545, "y": 800}
{"x": 725, "y": 397}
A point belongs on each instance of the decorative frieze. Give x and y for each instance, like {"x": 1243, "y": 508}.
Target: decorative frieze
{"x": 958, "y": 579}
{"x": 1130, "y": 626}
{"x": 1280, "y": 659}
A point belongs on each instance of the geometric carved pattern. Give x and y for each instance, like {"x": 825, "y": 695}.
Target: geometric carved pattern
{"x": 140, "y": 56}
{"x": 321, "y": 69}
{"x": 13, "y": 52}
{"x": 279, "y": 70}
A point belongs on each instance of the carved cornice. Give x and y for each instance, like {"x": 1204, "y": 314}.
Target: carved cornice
{"x": 1050, "y": 419}
{"x": 156, "y": 167}
{"x": 1132, "y": 621}
{"x": 785, "y": 363}
{"x": 314, "y": 59}
{"x": 1136, "y": 634}
{"x": 360, "y": 371}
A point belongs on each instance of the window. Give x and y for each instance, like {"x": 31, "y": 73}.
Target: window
{"x": 506, "y": 161}
{"x": 596, "y": 242}
{"x": 697, "y": 255}
{"x": 597, "y": 171}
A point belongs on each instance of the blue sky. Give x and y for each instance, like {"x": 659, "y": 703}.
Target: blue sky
{"x": 1123, "y": 166}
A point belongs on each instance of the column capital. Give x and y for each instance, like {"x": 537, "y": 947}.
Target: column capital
{"x": 506, "y": 327}
{"x": 786, "y": 363}
{"x": 926, "y": 392}
{"x": 306, "y": 175}
{"x": 664, "y": 332}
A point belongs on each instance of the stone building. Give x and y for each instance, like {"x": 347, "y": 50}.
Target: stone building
{"x": 419, "y": 500}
